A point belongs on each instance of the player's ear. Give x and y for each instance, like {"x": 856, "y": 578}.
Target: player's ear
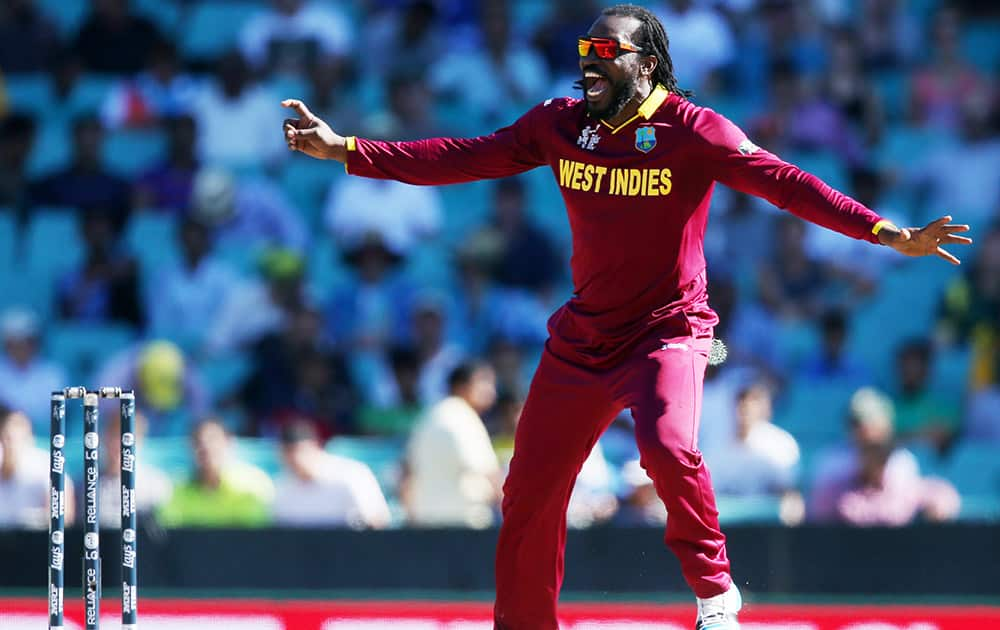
{"x": 648, "y": 65}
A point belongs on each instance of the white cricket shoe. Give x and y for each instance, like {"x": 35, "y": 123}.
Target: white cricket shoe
{"x": 719, "y": 612}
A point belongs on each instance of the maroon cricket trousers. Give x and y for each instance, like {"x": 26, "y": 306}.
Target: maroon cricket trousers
{"x": 568, "y": 407}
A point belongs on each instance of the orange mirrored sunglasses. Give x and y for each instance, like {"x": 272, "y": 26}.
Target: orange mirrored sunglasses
{"x": 604, "y": 48}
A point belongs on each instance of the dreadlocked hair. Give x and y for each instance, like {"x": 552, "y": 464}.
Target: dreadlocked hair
{"x": 652, "y": 38}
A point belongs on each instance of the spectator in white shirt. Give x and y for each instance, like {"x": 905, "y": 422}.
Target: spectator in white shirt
{"x": 322, "y": 489}
{"x": 24, "y": 475}
{"x": 26, "y": 379}
{"x": 235, "y": 102}
{"x": 453, "y": 476}
{"x": 762, "y": 459}
{"x": 191, "y": 294}
{"x": 401, "y": 214}
{"x": 294, "y": 34}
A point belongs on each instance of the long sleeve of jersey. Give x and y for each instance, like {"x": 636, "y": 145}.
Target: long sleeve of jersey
{"x": 437, "y": 161}
{"x": 736, "y": 162}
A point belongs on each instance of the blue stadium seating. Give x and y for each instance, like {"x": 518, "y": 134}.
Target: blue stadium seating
{"x": 815, "y": 413}
{"x": 28, "y": 93}
{"x": 213, "y": 27}
{"x": 130, "y": 152}
{"x": 975, "y": 470}
{"x": 83, "y": 348}
{"x": 67, "y": 15}
{"x": 981, "y": 44}
{"x": 222, "y": 375}
{"x": 150, "y": 237}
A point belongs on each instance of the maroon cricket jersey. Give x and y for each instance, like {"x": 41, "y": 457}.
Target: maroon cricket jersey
{"x": 637, "y": 197}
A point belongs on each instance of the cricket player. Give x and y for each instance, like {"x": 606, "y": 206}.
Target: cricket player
{"x": 636, "y": 163}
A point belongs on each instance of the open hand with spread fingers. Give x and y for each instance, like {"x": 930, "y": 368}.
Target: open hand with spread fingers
{"x": 926, "y": 241}
{"x": 310, "y": 135}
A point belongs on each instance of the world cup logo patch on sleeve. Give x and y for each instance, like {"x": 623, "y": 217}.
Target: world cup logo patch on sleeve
{"x": 645, "y": 138}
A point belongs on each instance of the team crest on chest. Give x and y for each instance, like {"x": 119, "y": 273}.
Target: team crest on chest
{"x": 645, "y": 138}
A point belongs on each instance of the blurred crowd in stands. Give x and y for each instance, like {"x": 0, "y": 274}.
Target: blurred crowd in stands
{"x": 314, "y": 349}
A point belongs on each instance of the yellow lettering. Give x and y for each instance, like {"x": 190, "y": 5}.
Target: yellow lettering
{"x": 645, "y": 179}
{"x": 653, "y": 184}
{"x": 634, "y": 182}
{"x": 621, "y": 181}
{"x": 577, "y": 172}
{"x": 588, "y": 177}
{"x": 565, "y": 170}
{"x": 600, "y": 170}
{"x": 665, "y": 184}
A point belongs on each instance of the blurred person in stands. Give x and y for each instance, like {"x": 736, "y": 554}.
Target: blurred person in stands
{"x": 791, "y": 281}
{"x": 413, "y": 27}
{"x": 160, "y": 91}
{"x": 370, "y": 313}
{"x": 401, "y": 415}
{"x": 169, "y": 388}
{"x": 970, "y": 317}
{"x": 501, "y": 74}
{"x": 297, "y": 375}
{"x": 762, "y": 459}
{"x": 924, "y": 413}
{"x": 888, "y": 33}
{"x": 593, "y": 499}
{"x": 234, "y": 100}
{"x": 153, "y": 486}
{"x": 85, "y": 183}
{"x": 529, "y": 258}
{"x": 970, "y": 306}
{"x": 17, "y": 137}
{"x": 168, "y": 185}
{"x": 453, "y": 476}
{"x": 700, "y": 36}
{"x": 191, "y": 293}
{"x": 873, "y": 482}
{"x": 224, "y": 491}
{"x": 409, "y": 111}
{"x": 439, "y": 356}
{"x": 963, "y": 174}
{"x": 564, "y": 20}
{"x": 293, "y": 35}
{"x": 27, "y": 37}
{"x": 26, "y": 377}
{"x": 104, "y": 289}
{"x": 847, "y": 88}
{"x": 24, "y": 476}
{"x": 261, "y": 306}
{"x": 940, "y": 87}
{"x": 320, "y": 489}
{"x": 247, "y": 213}
{"x": 114, "y": 40}
{"x": 833, "y": 362}
{"x": 637, "y": 332}
{"x": 403, "y": 216}
{"x": 639, "y": 504}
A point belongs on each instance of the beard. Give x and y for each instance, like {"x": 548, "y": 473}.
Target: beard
{"x": 621, "y": 94}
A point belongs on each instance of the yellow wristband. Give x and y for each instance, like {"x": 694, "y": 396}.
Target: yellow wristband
{"x": 881, "y": 224}
{"x": 352, "y": 143}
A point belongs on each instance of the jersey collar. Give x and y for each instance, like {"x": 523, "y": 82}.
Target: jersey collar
{"x": 646, "y": 110}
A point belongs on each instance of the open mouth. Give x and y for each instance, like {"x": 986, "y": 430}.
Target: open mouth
{"x": 595, "y": 84}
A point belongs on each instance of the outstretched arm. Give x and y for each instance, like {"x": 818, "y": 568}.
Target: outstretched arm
{"x": 740, "y": 164}
{"x": 434, "y": 161}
